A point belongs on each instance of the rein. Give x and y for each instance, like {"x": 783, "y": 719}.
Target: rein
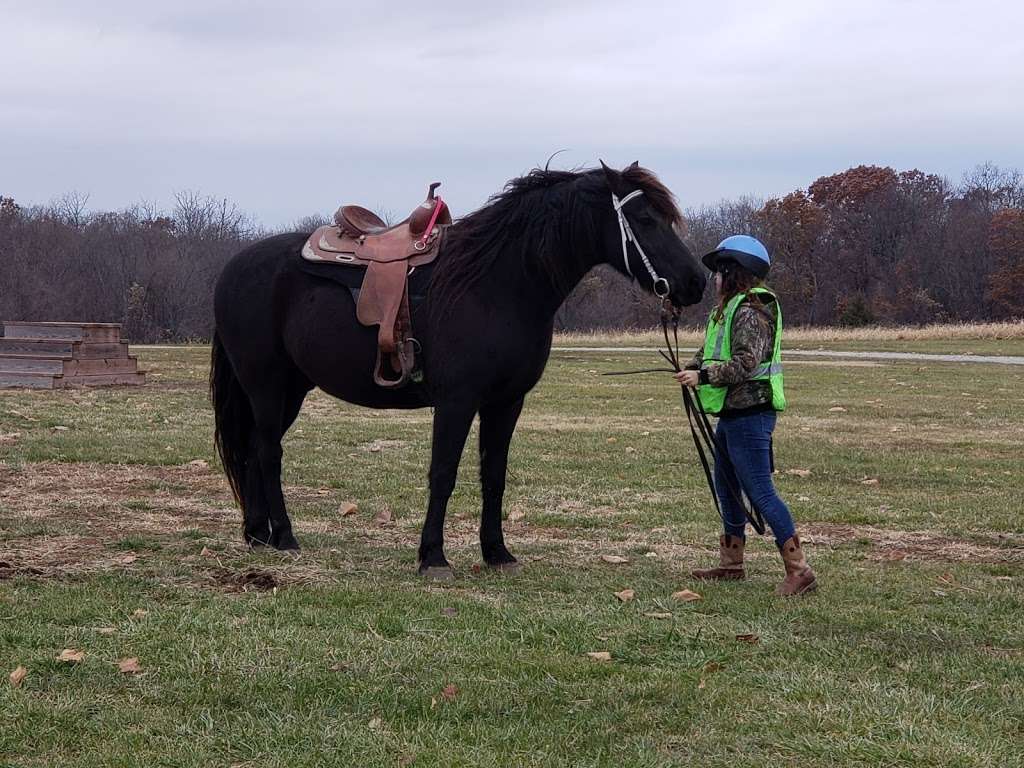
{"x": 709, "y": 450}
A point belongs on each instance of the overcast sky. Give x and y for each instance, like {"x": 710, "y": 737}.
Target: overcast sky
{"x": 291, "y": 108}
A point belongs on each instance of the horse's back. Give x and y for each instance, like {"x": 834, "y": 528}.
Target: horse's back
{"x": 273, "y": 313}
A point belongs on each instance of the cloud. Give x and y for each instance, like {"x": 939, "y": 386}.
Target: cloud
{"x": 285, "y": 110}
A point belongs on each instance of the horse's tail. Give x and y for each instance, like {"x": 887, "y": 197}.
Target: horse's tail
{"x": 233, "y": 418}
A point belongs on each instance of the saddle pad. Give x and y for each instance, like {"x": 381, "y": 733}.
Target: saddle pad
{"x": 419, "y": 280}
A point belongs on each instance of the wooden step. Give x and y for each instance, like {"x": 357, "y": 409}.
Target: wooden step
{"x": 101, "y": 380}
{"x": 14, "y": 345}
{"x": 93, "y": 367}
{"x": 40, "y": 347}
{"x": 97, "y": 332}
{"x": 28, "y": 380}
{"x": 32, "y": 364}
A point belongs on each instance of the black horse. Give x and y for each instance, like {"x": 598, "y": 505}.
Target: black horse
{"x": 484, "y": 325}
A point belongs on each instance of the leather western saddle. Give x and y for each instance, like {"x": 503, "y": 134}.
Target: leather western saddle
{"x": 389, "y": 254}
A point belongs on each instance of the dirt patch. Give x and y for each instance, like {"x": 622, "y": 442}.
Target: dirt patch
{"x": 892, "y": 545}
{"x": 248, "y": 580}
{"x": 145, "y": 497}
{"x": 59, "y": 520}
{"x": 66, "y": 520}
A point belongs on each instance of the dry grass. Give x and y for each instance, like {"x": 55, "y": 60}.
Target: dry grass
{"x": 79, "y": 517}
{"x": 953, "y": 332}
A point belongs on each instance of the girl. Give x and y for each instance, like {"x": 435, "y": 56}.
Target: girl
{"x": 738, "y": 377}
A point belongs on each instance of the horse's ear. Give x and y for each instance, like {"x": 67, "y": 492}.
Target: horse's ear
{"x": 614, "y": 180}
{"x": 635, "y": 164}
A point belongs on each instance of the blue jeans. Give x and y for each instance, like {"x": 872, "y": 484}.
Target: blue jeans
{"x": 746, "y": 461}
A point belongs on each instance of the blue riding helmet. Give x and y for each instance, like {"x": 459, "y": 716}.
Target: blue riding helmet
{"x": 747, "y": 251}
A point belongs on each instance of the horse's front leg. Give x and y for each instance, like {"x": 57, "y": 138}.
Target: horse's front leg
{"x": 451, "y": 426}
{"x": 497, "y": 423}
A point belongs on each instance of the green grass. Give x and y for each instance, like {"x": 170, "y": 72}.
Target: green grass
{"x": 910, "y": 653}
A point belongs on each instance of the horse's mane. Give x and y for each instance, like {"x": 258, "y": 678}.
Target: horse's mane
{"x": 541, "y": 214}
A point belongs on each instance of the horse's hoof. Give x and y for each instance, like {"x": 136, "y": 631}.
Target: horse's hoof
{"x": 506, "y": 569}
{"x": 438, "y": 573}
{"x": 286, "y": 543}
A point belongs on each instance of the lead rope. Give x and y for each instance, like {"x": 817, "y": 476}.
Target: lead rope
{"x": 704, "y": 440}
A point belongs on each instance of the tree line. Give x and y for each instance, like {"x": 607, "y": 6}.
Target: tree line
{"x": 868, "y": 245}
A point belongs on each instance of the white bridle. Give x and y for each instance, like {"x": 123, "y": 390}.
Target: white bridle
{"x": 661, "y": 286}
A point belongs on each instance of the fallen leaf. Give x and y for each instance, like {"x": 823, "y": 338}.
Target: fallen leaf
{"x": 799, "y": 472}
{"x": 837, "y": 409}
{"x": 803, "y": 498}
{"x": 126, "y": 559}
{"x": 140, "y": 613}
{"x": 600, "y": 655}
{"x": 61, "y": 428}
{"x": 106, "y": 631}
{"x": 869, "y": 481}
{"x": 625, "y": 595}
{"x": 450, "y": 611}
{"x": 383, "y": 516}
{"x": 650, "y": 554}
{"x": 686, "y": 596}
{"x": 17, "y": 676}
{"x": 347, "y": 508}
{"x": 198, "y": 464}
{"x": 71, "y": 656}
{"x": 750, "y": 638}
{"x": 449, "y": 692}
{"x": 614, "y": 559}
{"x": 630, "y": 449}
{"x": 129, "y": 666}
{"x": 376, "y": 724}
{"x": 658, "y": 615}
{"x": 207, "y": 552}
{"x": 612, "y": 440}
{"x": 375, "y": 448}
{"x": 516, "y": 513}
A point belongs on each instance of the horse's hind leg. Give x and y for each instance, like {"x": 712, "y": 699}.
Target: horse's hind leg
{"x": 268, "y": 521}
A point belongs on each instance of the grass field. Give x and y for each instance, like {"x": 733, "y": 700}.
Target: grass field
{"x": 118, "y": 539}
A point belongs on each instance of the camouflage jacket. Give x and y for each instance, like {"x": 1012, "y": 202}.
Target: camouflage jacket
{"x": 753, "y": 340}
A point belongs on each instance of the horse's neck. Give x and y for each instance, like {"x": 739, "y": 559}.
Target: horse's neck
{"x": 532, "y": 286}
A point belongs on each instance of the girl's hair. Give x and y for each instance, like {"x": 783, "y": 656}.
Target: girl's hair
{"x": 736, "y": 280}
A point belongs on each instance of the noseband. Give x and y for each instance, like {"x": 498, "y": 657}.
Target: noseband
{"x": 660, "y": 284}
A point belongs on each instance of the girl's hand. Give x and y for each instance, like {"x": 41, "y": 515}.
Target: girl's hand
{"x": 687, "y": 378}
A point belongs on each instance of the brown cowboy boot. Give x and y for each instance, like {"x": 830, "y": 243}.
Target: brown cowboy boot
{"x": 799, "y": 576}
{"x": 730, "y": 561}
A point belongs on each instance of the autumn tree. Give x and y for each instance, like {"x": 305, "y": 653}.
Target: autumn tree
{"x": 1006, "y": 243}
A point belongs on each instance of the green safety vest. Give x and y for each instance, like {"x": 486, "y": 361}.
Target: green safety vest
{"x": 718, "y": 348}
